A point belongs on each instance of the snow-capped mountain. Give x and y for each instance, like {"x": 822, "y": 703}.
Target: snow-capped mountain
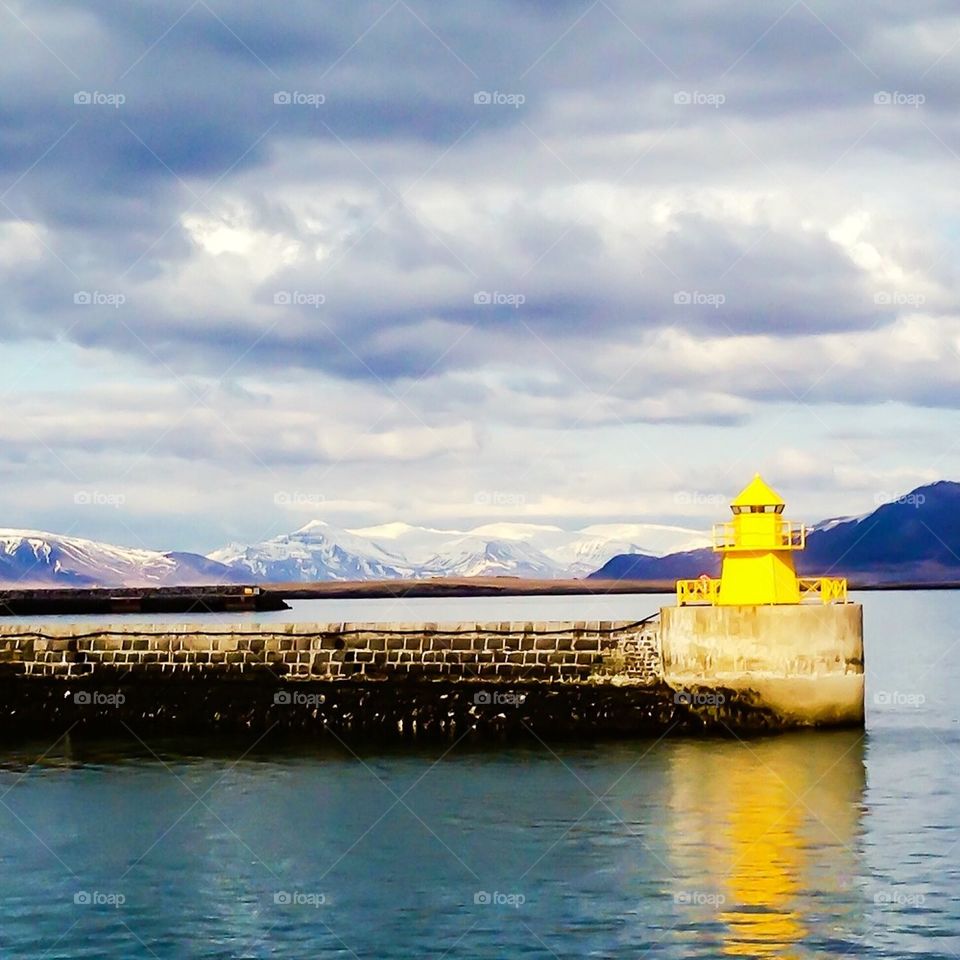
{"x": 416, "y": 544}
{"x": 320, "y": 551}
{"x": 473, "y": 556}
{"x": 832, "y": 522}
{"x": 598, "y": 543}
{"x": 317, "y": 551}
{"x": 34, "y": 558}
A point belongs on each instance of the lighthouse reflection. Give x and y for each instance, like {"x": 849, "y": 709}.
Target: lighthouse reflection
{"x": 767, "y": 841}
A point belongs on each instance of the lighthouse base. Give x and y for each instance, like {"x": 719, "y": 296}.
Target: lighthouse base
{"x": 801, "y": 663}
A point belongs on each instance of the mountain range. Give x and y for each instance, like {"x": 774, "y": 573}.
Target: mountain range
{"x": 915, "y": 538}
{"x": 320, "y": 551}
{"x": 34, "y": 558}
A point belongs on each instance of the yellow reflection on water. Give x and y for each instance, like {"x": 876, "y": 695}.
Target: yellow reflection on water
{"x": 766, "y": 857}
{"x": 763, "y": 828}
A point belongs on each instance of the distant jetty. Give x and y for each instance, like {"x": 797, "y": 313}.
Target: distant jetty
{"x": 138, "y": 600}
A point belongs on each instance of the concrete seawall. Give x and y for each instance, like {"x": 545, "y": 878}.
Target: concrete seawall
{"x": 804, "y": 662}
{"x": 485, "y": 679}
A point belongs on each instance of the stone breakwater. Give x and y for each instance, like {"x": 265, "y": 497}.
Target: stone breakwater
{"x": 469, "y": 652}
{"x": 539, "y": 679}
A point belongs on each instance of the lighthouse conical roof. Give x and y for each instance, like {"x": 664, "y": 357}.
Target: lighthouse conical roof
{"x": 757, "y": 494}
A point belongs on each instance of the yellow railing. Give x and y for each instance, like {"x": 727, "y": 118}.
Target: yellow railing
{"x": 702, "y": 590}
{"x": 827, "y": 589}
{"x": 706, "y": 590}
{"x": 787, "y": 535}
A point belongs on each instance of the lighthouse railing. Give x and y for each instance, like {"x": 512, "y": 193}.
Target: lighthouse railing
{"x": 701, "y": 590}
{"x": 825, "y": 589}
{"x": 706, "y": 590}
{"x": 785, "y": 535}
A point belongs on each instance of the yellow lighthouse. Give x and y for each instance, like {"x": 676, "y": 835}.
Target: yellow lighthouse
{"x": 759, "y": 636}
{"x": 757, "y": 548}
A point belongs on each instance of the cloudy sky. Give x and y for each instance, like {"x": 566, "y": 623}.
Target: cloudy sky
{"x": 571, "y": 262}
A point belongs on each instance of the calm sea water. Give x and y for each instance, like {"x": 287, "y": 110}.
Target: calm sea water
{"x": 803, "y": 845}
{"x": 423, "y": 609}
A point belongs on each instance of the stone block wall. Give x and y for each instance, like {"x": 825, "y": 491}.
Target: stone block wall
{"x": 597, "y": 652}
